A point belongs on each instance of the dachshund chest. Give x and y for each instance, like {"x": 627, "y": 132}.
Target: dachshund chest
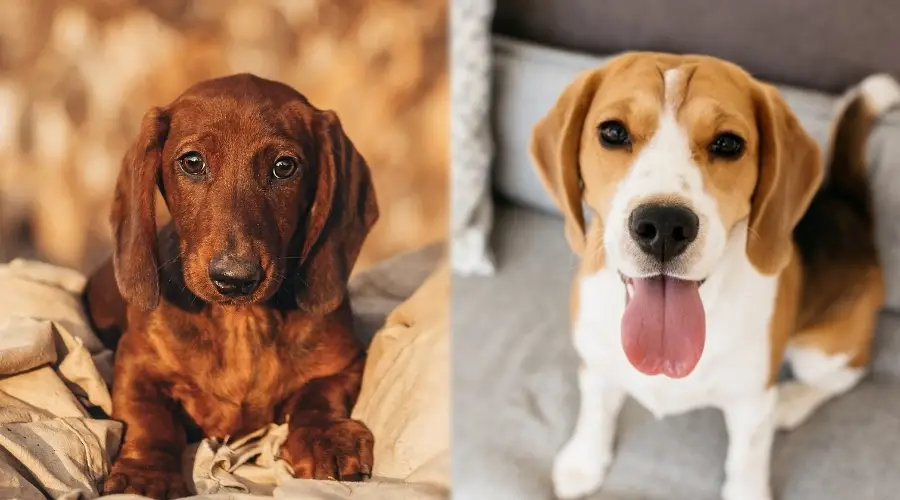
{"x": 236, "y": 373}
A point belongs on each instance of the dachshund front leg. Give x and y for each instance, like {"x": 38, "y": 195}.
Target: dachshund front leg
{"x": 323, "y": 441}
{"x": 149, "y": 462}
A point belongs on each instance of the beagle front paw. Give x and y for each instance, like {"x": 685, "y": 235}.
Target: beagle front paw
{"x": 796, "y": 402}
{"x": 579, "y": 469}
{"x": 160, "y": 481}
{"x": 734, "y": 489}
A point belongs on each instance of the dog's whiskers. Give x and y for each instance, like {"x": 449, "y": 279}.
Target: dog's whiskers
{"x": 170, "y": 261}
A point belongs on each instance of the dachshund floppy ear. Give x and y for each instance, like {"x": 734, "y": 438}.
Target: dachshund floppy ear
{"x": 342, "y": 213}
{"x": 790, "y": 172}
{"x": 135, "y": 258}
{"x": 555, "y": 147}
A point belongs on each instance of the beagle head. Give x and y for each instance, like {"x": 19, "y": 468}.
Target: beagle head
{"x": 675, "y": 155}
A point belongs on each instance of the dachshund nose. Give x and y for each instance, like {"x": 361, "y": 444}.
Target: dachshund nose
{"x": 234, "y": 277}
{"x": 663, "y": 231}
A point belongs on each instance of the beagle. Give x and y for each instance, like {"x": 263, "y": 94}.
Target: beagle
{"x": 718, "y": 246}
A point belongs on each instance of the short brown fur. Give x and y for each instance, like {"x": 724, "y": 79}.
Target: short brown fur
{"x": 784, "y": 318}
{"x": 192, "y": 362}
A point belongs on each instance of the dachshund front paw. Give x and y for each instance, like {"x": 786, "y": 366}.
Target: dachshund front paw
{"x": 144, "y": 477}
{"x": 335, "y": 449}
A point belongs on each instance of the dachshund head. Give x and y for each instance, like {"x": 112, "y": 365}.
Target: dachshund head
{"x": 266, "y": 192}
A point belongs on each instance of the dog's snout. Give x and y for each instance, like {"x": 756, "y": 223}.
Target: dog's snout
{"x": 663, "y": 231}
{"x": 235, "y": 277}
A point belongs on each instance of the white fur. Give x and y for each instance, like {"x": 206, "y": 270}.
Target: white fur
{"x": 734, "y": 370}
{"x": 581, "y": 466}
{"x": 732, "y": 375}
{"x": 751, "y": 430}
{"x": 819, "y": 377}
{"x": 881, "y": 92}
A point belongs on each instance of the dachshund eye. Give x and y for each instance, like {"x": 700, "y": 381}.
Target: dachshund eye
{"x": 192, "y": 163}
{"x": 284, "y": 167}
{"x": 727, "y": 146}
{"x": 613, "y": 134}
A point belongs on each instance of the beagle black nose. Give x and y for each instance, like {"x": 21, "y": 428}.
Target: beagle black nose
{"x": 663, "y": 231}
{"x": 234, "y": 277}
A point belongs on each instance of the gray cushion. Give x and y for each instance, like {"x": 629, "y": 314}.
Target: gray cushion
{"x": 529, "y": 78}
{"x": 818, "y": 44}
{"x": 515, "y": 399}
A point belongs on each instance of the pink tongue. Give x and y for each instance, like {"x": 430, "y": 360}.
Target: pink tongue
{"x": 664, "y": 326}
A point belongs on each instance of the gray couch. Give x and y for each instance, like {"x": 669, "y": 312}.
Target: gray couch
{"x": 514, "y": 380}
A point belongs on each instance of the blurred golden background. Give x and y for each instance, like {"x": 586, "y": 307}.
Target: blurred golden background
{"x": 77, "y": 75}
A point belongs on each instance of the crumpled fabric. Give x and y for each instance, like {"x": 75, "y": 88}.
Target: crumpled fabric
{"x": 49, "y": 444}
{"x": 250, "y": 464}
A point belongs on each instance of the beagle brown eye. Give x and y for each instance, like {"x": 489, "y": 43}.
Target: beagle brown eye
{"x": 192, "y": 163}
{"x": 284, "y": 167}
{"x": 613, "y": 134}
{"x": 727, "y": 146}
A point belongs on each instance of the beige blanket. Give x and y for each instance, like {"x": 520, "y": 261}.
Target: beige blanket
{"x": 54, "y": 374}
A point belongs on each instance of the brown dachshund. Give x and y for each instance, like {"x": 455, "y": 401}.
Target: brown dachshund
{"x": 236, "y": 314}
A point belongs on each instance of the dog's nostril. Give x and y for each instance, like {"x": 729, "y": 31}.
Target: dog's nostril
{"x": 663, "y": 231}
{"x": 646, "y": 230}
{"x": 235, "y": 277}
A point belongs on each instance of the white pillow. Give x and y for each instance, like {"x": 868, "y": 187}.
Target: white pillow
{"x": 471, "y": 142}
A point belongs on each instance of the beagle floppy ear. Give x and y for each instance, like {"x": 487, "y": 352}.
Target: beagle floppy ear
{"x": 555, "y": 148}
{"x": 342, "y": 213}
{"x": 790, "y": 173}
{"x": 135, "y": 258}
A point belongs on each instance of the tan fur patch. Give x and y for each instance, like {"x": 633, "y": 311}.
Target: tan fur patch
{"x": 635, "y": 97}
{"x": 850, "y": 328}
{"x": 784, "y": 319}
{"x": 718, "y": 102}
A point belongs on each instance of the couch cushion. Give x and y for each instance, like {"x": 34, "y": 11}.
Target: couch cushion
{"x": 529, "y": 78}
{"x": 515, "y": 398}
{"x": 822, "y": 45}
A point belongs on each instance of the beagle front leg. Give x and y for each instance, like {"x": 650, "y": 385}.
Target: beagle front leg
{"x": 580, "y": 466}
{"x": 751, "y": 428}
